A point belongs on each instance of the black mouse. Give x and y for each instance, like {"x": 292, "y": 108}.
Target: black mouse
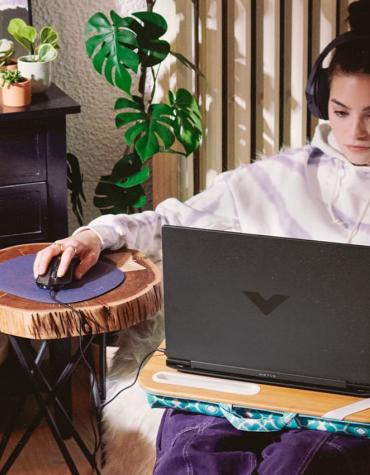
{"x": 49, "y": 280}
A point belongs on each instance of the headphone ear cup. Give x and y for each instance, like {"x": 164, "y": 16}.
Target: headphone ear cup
{"x": 318, "y": 94}
{"x": 322, "y": 93}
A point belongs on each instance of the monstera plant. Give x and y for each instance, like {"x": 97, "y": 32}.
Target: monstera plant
{"x": 122, "y": 48}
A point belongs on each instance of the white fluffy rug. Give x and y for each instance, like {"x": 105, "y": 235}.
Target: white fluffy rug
{"x": 130, "y": 424}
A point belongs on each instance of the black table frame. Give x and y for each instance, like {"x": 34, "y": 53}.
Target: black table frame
{"x": 46, "y": 392}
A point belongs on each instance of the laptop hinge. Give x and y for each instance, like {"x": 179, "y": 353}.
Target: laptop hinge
{"x": 178, "y": 363}
{"x": 271, "y": 376}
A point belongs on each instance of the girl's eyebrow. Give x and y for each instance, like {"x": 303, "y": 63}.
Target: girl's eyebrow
{"x": 338, "y": 103}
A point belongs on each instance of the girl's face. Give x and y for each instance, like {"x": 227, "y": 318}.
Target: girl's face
{"x": 349, "y": 115}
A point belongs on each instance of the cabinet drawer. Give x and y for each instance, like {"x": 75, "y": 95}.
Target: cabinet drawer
{"x": 22, "y": 152}
{"x": 23, "y": 213}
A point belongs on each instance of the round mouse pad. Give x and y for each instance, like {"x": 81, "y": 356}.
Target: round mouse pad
{"x": 16, "y": 277}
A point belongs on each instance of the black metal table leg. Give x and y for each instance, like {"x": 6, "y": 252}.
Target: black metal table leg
{"x": 98, "y": 389}
{"x": 38, "y": 382}
{"x": 23, "y": 358}
{"x": 60, "y": 352}
{"x": 103, "y": 393}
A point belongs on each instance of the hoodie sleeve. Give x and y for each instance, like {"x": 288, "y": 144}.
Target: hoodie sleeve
{"x": 214, "y": 208}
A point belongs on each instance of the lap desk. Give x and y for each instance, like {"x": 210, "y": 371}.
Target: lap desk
{"x": 271, "y": 408}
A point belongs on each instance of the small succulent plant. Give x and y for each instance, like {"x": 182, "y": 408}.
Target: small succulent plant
{"x": 11, "y": 76}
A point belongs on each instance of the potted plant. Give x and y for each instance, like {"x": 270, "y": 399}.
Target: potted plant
{"x": 42, "y": 48}
{"x": 119, "y": 48}
{"x": 6, "y": 55}
{"x": 16, "y": 90}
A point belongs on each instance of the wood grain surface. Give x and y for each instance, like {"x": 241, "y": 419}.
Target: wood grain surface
{"x": 138, "y": 297}
{"x": 278, "y": 398}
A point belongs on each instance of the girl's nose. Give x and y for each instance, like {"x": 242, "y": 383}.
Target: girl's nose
{"x": 358, "y": 129}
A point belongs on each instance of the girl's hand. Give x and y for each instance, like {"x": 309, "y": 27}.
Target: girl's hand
{"x": 86, "y": 245}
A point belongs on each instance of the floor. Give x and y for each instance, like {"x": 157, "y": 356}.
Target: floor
{"x": 41, "y": 455}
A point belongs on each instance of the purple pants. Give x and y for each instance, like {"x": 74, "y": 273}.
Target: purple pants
{"x": 195, "y": 444}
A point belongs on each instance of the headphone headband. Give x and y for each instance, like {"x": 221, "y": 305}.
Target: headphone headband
{"x": 317, "y": 89}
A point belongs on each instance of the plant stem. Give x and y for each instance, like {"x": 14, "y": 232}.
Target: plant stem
{"x": 142, "y": 82}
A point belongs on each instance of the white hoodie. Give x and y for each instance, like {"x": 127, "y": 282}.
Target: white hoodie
{"x": 313, "y": 193}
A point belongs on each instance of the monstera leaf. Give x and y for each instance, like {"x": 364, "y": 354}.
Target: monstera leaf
{"x": 112, "y": 49}
{"x": 123, "y": 44}
{"x": 188, "y": 119}
{"x": 150, "y": 129}
{"x": 151, "y": 27}
{"x": 121, "y": 191}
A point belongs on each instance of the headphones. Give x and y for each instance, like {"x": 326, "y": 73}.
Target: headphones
{"x": 317, "y": 89}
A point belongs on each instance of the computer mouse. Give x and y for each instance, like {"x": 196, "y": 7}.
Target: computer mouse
{"x": 49, "y": 280}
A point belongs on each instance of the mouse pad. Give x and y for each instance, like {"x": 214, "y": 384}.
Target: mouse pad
{"x": 16, "y": 277}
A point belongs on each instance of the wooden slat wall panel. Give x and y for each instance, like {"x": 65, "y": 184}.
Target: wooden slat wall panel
{"x": 211, "y": 89}
{"x": 172, "y": 174}
{"x": 298, "y": 73}
{"x": 271, "y": 78}
{"x": 239, "y": 76}
{"x": 268, "y": 52}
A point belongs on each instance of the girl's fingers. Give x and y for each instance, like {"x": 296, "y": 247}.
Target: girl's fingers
{"x": 87, "y": 261}
{"x": 43, "y": 259}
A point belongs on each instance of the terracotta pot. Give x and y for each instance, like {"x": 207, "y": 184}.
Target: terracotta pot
{"x": 18, "y": 94}
{"x": 11, "y": 65}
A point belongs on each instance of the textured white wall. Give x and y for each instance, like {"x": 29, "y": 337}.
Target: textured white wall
{"x": 91, "y": 135}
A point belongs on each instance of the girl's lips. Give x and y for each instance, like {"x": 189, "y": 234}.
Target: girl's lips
{"x": 358, "y": 148}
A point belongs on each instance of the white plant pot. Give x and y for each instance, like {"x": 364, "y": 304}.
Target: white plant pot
{"x": 39, "y": 73}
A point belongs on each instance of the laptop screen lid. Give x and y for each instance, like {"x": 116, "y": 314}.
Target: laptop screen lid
{"x": 279, "y": 310}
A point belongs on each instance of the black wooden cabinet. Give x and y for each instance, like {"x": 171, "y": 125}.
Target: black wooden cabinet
{"x": 33, "y": 169}
{"x": 33, "y": 188}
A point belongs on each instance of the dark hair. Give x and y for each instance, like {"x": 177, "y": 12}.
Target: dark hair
{"x": 354, "y": 56}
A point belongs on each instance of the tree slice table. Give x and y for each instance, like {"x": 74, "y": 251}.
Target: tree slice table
{"x": 138, "y": 297}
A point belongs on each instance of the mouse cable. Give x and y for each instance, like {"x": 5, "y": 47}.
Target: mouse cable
{"x": 92, "y": 372}
{"x": 93, "y": 378}
{"x": 105, "y": 404}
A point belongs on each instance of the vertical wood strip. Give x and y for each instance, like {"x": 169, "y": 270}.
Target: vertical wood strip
{"x": 225, "y": 84}
{"x": 259, "y": 77}
{"x": 196, "y": 155}
{"x": 165, "y": 167}
{"x": 271, "y": 69}
{"x": 281, "y": 73}
{"x": 299, "y": 71}
{"x": 210, "y": 90}
{"x": 286, "y": 67}
{"x": 328, "y": 24}
{"x": 241, "y": 79}
{"x": 253, "y": 73}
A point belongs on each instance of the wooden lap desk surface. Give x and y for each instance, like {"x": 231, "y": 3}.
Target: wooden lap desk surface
{"x": 277, "y": 398}
{"x": 131, "y": 302}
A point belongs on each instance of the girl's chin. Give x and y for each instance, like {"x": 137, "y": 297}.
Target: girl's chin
{"x": 360, "y": 158}
{"x": 359, "y": 161}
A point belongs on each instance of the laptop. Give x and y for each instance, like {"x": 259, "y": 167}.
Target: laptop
{"x": 275, "y": 310}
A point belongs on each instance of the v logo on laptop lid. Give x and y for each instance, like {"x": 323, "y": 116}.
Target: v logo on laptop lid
{"x": 219, "y": 286}
{"x": 266, "y": 306}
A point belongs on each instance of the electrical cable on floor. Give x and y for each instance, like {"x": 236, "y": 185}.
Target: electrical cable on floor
{"x": 93, "y": 378}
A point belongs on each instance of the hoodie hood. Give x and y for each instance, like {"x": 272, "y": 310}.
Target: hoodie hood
{"x": 324, "y": 140}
